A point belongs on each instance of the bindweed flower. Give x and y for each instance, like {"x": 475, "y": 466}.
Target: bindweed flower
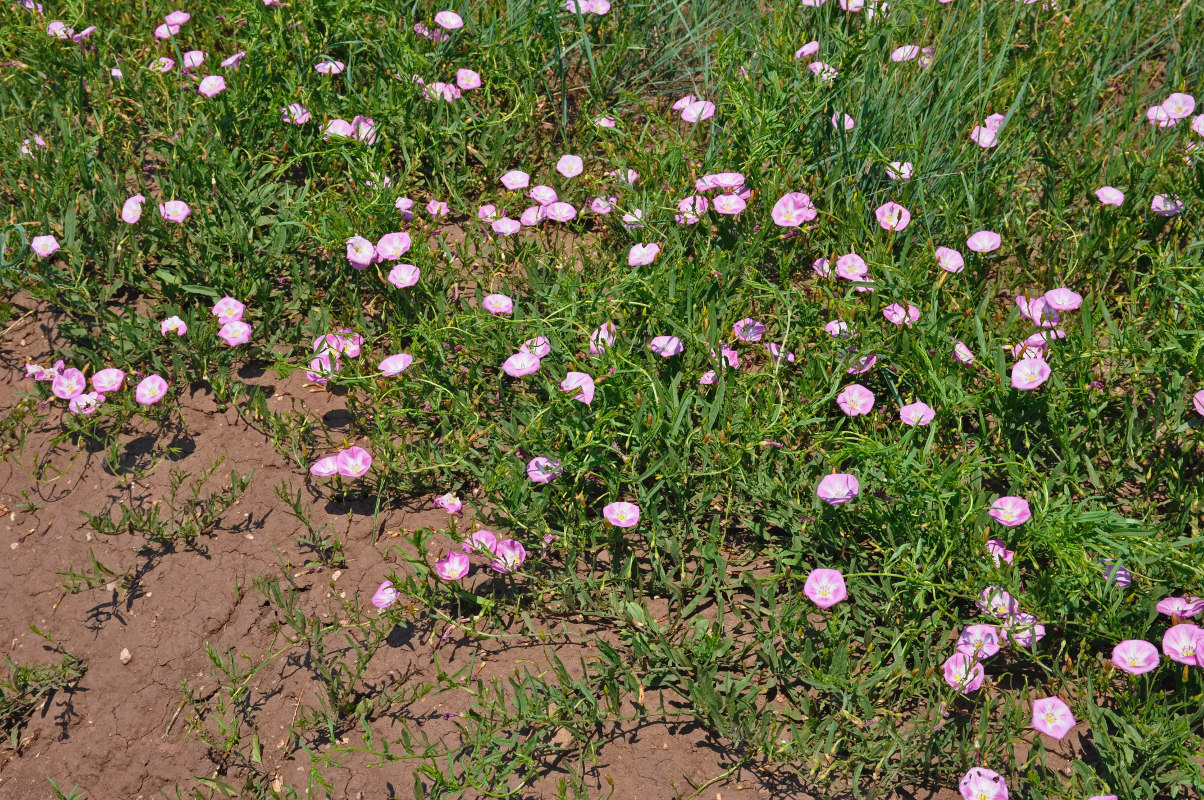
{"x": 151, "y": 390}
{"x": 1135, "y": 656}
{"x": 793, "y": 209}
{"x": 538, "y": 346}
{"x": 1010, "y": 511}
{"x": 1023, "y": 629}
{"x": 602, "y": 337}
{"x": 394, "y": 365}
{"x": 962, "y": 353}
{"x": 449, "y": 20}
{"x": 532, "y": 216}
{"x": 174, "y": 211}
{"x": 603, "y": 205}
{"x": 580, "y": 385}
{"x": 1183, "y": 643}
{"x": 234, "y": 61}
{"x": 468, "y": 79}
{"x": 353, "y": 462}
{"x": 998, "y": 602}
{"x": 506, "y": 226}
{"x": 999, "y": 552}
{"x": 1197, "y": 399}
{"x": 228, "y": 310}
{"x": 984, "y": 242}
{"x": 211, "y": 85}
{"x": 709, "y": 378}
{"x": 1063, "y": 299}
{"x": 950, "y": 260}
{"x": 862, "y": 364}
{"x": 898, "y": 315}
{"x": 173, "y": 324}
{"x": 822, "y": 267}
{"x": 509, "y": 556}
{"x": 338, "y": 129}
{"x": 520, "y": 365}
{"x": 570, "y": 166}
{"x": 748, "y": 330}
{"x": 449, "y": 503}
{"x": 329, "y": 67}
{"x": 1179, "y": 105}
{"x": 892, "y": 216}
{"x": 498, "y": 304}
{"x": 392, "y": 246}
{"x": 825, "y": 72}
{"x": 604, "y": 121}
{"x": 542, "y": 469}
{"x": 235, "y": 333}
{"x": 778, "y": 353}
{"x": 68, "y": 383}
{"x": 848, "y": 123}
{"x": 131, "y": 211}
{"x": 437, "y": 208}
{"x": 385, "y": 595}
{"x": 1029, "y": 373}
{"x": 979, "y": 641}
{"x": 163, "y": 64}
{"x": 481, "y": 542}
{"x": 108, "y": 380}
{"x": 1117, "y": 574}
{"x": 544, "y": 195}
{"x": 453, "y": 566}
{"x": 984, "y": 137}
{"x": 666, "y": 346}
{"x": 404, "y": 276}
{"x": 963, "y": 673}
{"x": 360, "y": 252}
{"x": 855, "y": 400}
{"x": 44, "y": 246}
{"x": 698, "y": 111}
{"x": 918, "y": 413}
{"x": 642, "y": 254}
{"x": 516, "y": 179}
{"x": 851, "y": 267}
{"x": 1110, "y": 196}
{"x": 1167, "y": 205}
{"x": 1052, "y": 717}
{"x": 729, "y": 204}
{"x": 837, "y": 488}
{"x": 560, "y": 211}
{"x": 1180, "y": 607}
{"x": 85, "y": 404}
{"x": 325, "y": 467}
{"x": 983, "y": 784}
{"x": 825, "y": 587}
{"x": 621, "y": 514}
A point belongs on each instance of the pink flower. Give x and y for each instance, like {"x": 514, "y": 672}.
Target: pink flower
{"x": 560, "y": 211}
{"x": 1023, "y": 629}
{"x": 983, "y": 784}
{"x": 194, "y": 58}
{"x": 395, "y": 364}
{"x": 173, "y": 324}
{"x": 1167, "y": 205}
{"x": 131, "y": 211}
{"x": 778, "y": 353}
{"x": 506, "y": 226}
{"x": 604, "y": 121}
{"x": 449, "y": 20}
{"x": 602, "y": 337}
{"x": 999, "y": 552}
{"x": 984, "y": 242}
{"x": 855, "y": 400}
{"x": 212, "y": 85}
{"x": 984, "y": 137}
{"x": 163, "y": 64}
{"x": 950, "y": 260}
{"x": 622, "y": 515}
{"x": 996, "y": 601}
{"x": 233, "y": 62}
{"x": 916, "y": 414}
{"x": 698, "y": 111}
{"x": 108, "y": 380}
{"x": 1182, "y": 643}
{"x": 683, "y": 102}
{"x": 449, "y": 503}
{"x": 979, "y": 641}
{"x": 963, "y": 672}
{"x": 385, "y": 596}
{"x": 709, "y": 378}
{"x": 235, "y": 333}
{"x": 729, "y": 204}
{"x": 1063, "y": 299}
{"x": 353, "y": 462}
{"x": 532, "y": 216}
{"x": 837, "y": 327}
{"x": 498, "y": 304}
{"x": 837, "y": 488}
{"x": 899, "y": 170}
{"x": 692, "y": 208}
{"x": 822, "y": 267}
{"x": 150, "y": 390}
{"x": 164, "y": 31}
{"x": 1029, "y": 373}
{"x": 580, "y": 385}
{"x": 851, "y": 267}
{"x": 228, "y": 310}
{"x": 727, "y": 181}
{"x": 1135, "y": 656}
{"x": 905, "y": 53}
{"x": 793, "y": 209}
{"x": 86, "y": 403}
{"x": 570, "y": 166}
{"x": 44, "y": 246}
{"x": 392, "y": 246}
{"x": 748, "y": 330}
{"x": 603, "y": 205}
{"x": 1197, "y": 399}
{"x": 544, "y": 195}
{"x": 174, "y": 211}
{"x": 1052, "y": 717}
{"x": 330, "y": 67}
{"x": 521, "y": 364}
{"x": 1110, "y": 196}
{"x": 897, "y": 315}
{"x": 325, "y": 467}
{"x": 437, "y": 208}
{"x": 339, "y": 129}
{"x": 480, "y": 542}
{"x": 516, "y": 179}
{"x": 1180, "y": 607}
{"x": 538, "y": 346}
{"x": 1179, "y": 105}
{"x": 1010, "y": 511}
{"x": 962, "y": 353}
{"x": 69, "y": 383}
{"x": 862, "y": 364}
{"x": 809, "y": 49}
{"x": 453, "y": 566}
{"x": 848, "y": 123}
{"x": 825, "y": 587}
{"x": 360, "y": 252}
{"x": 665, "y": 346}
{"x": 642, "y": 254}
{"x": 468, "y": 79}
{"x": 177, "y": 18}
{"x": 510, "y": 555}
{"x": 542, "y": 469}
{"x": 824, "y": 72}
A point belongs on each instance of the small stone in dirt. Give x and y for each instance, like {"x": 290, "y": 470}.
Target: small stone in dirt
{"x": 338, "y": 573}
{"x": 125, "y": 655}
